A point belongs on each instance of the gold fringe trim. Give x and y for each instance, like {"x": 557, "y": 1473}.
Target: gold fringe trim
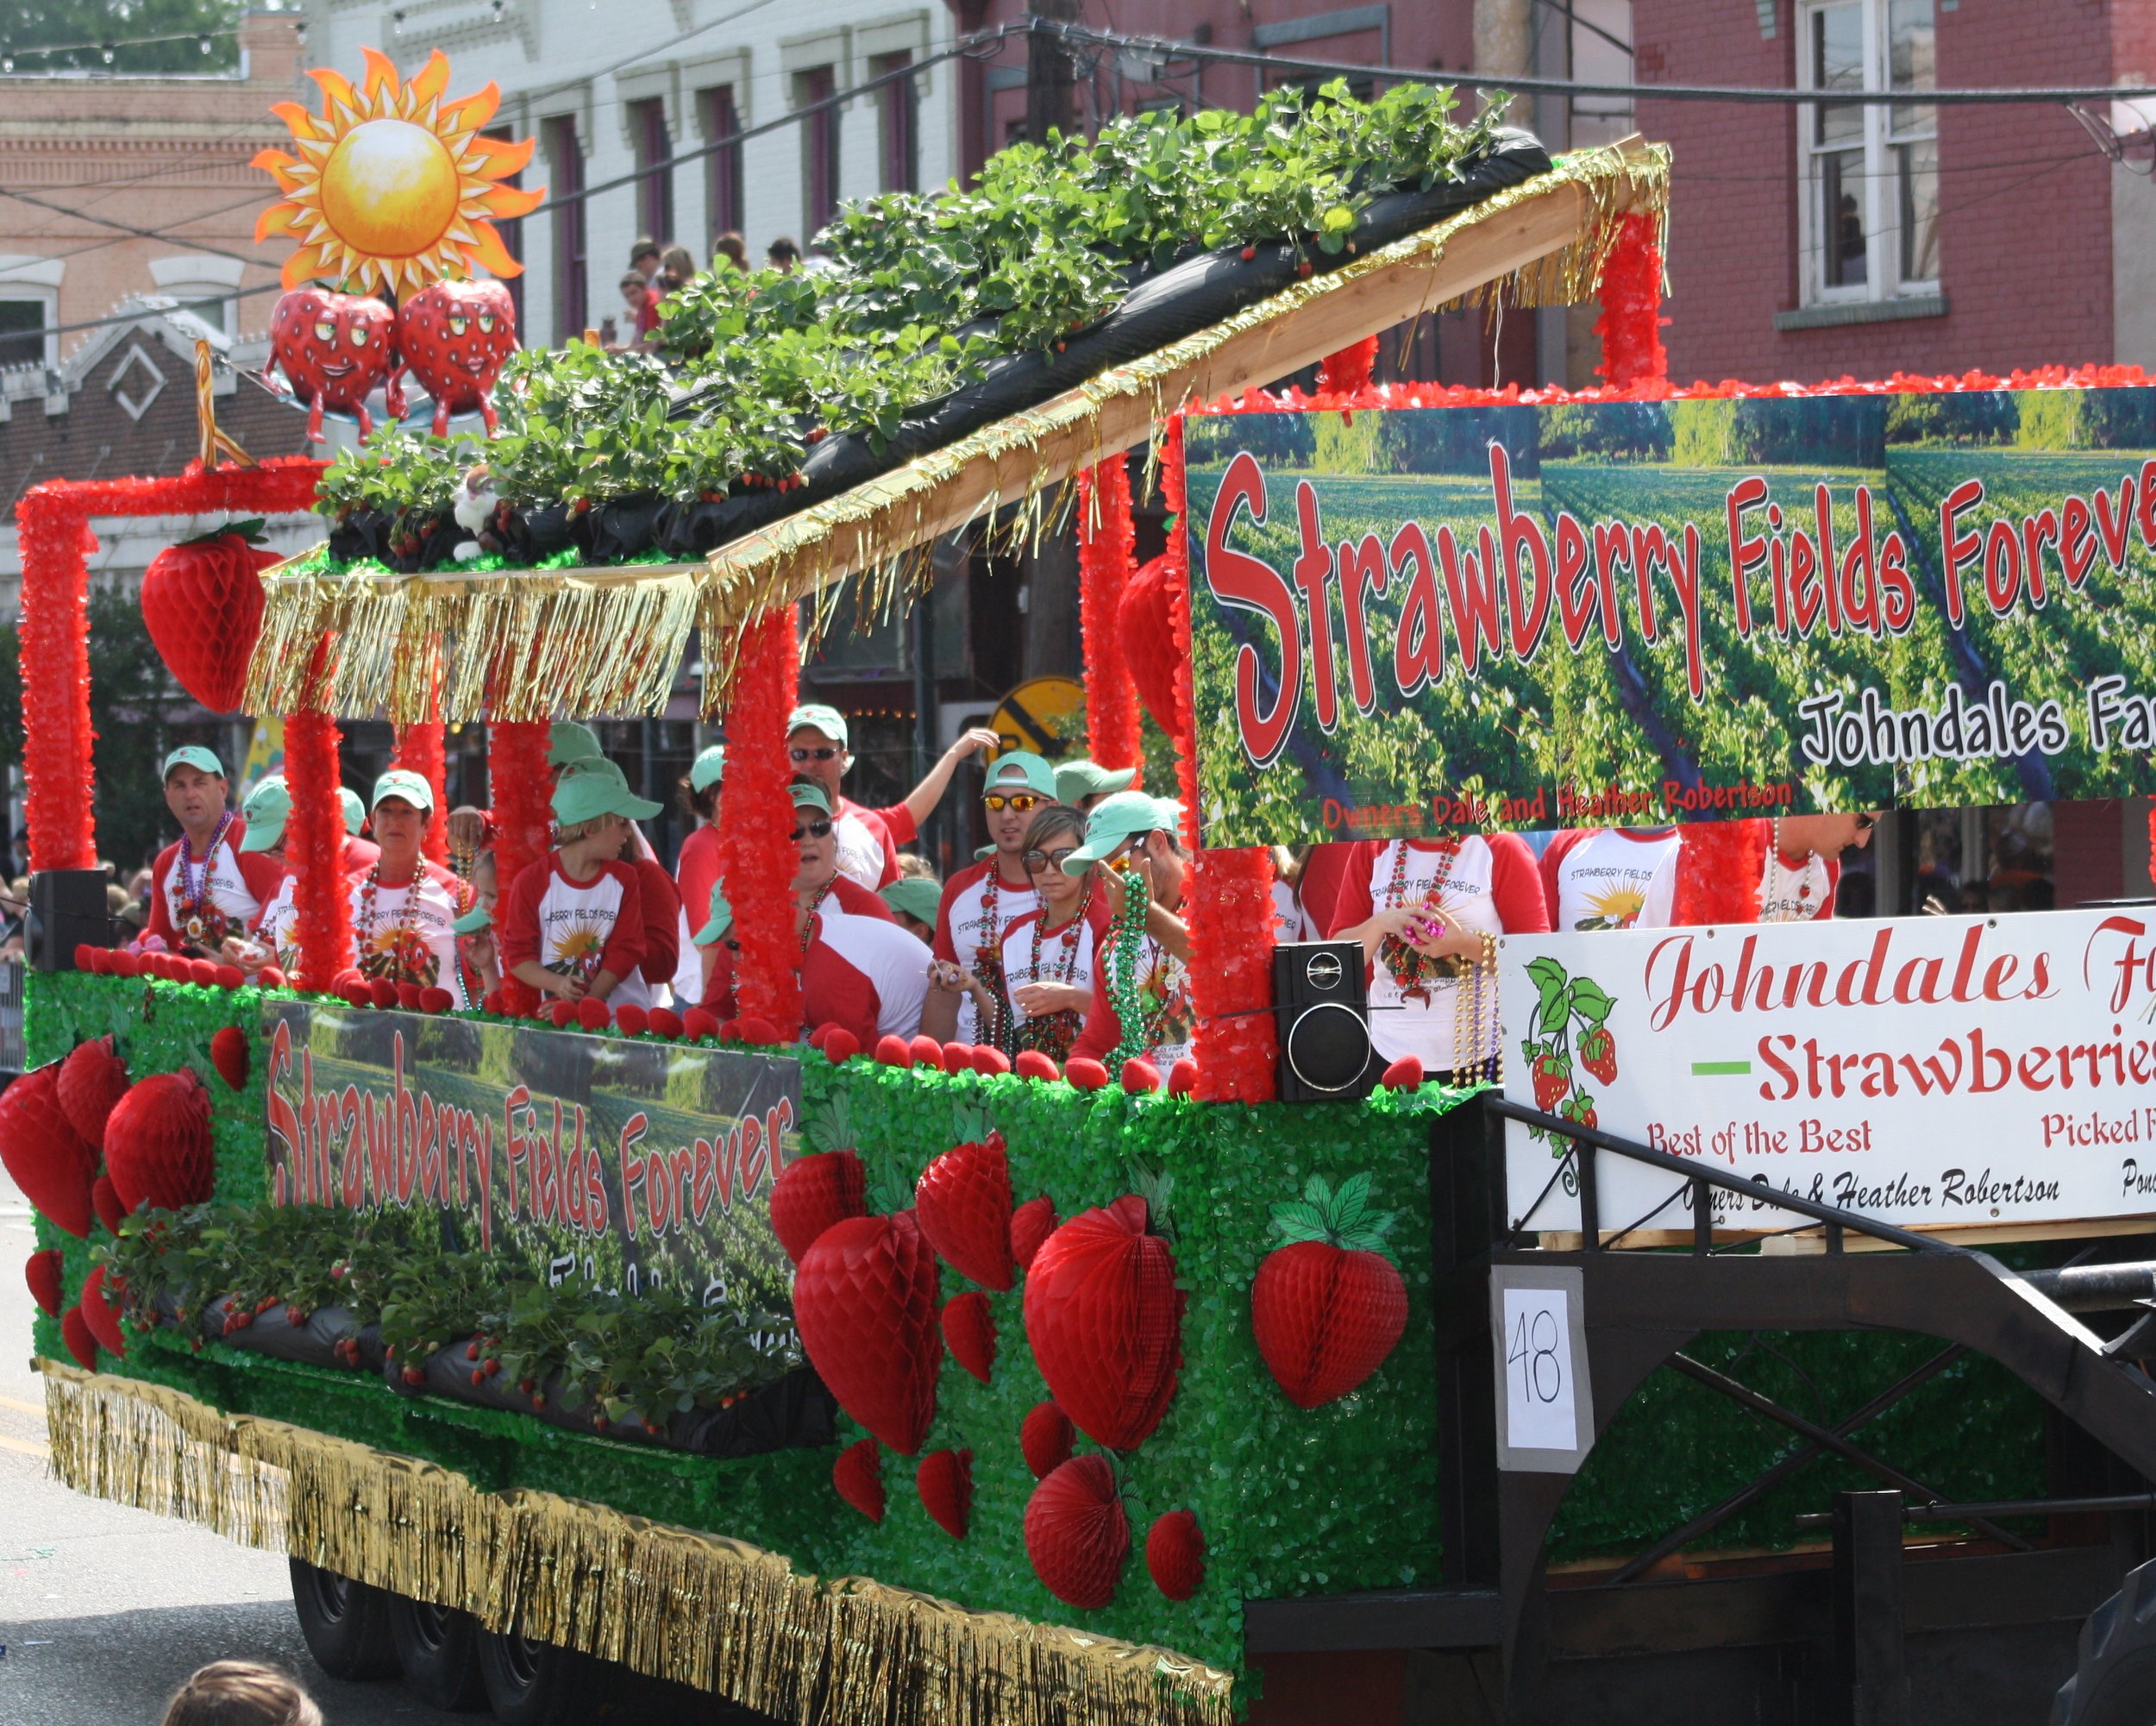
{"x": 704, "y": 1610}
{"x": 532, "y": 644}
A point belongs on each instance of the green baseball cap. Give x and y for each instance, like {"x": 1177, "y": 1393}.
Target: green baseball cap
{"x": 915, "y": 895}
{"x": 722, "y": 919}
{"x": 828, "y": 721}
{"x": 194, "y": 756}
{"x": 265, "y": 809}
{"x": 595, "y": 788}
{"x": 1122, "y": 817}
{"x": 708, "y": 768}
{"x": 1083, "y": 778}
{"x": 402, "y": 781}
{"x": 354, "y": 811}
{"x": 567, "y": 741}
{"x": 474, "y": 920}
{"x": 808, "y": 796}
{"x": 1022, "y": 767}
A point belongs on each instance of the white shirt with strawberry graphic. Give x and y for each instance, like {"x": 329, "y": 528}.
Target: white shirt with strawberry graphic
{"x": 1612, "y": 878}
{"x": 405, "y": 933}
{"x": 1798, "y": 890}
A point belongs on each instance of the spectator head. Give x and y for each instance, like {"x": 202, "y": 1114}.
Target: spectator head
{"x": 729, "y": 247}
{"x": 700, "y": 787}
{"x": 816, "y": 745}
{"x": 913, "y": 901}
{"x": 915, "y": 867}
{"x": 677, "y": 265}
{"x": 635, "y": 290}
{"x": 783, "y": 255}
{"x": 644, "y": 256}
{"x": 242, "y": 1693}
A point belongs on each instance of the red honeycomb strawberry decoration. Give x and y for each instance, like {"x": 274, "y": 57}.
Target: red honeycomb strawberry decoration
{"x": 944, "y": 1480}
{"x": 970, "y": 1332}
{"x": 41, "y": 1150}
{"x": 857, "y": 1476}
{"x": 864, "y": 1301}
{"x": 157, "y": 1142}
{"x": 1077, "y": 1533}
{"x": 453, "y": 337}
{"x": 334, "y": 349}
{"x": 202, "y": 603}
{"x": 1176, "y": 1555}
{"x": 1327, "y": 1307}
{"x": 1105, "y": 1320}
{"x": 964, "y": 1202}
{"x": 90, "y": 1082}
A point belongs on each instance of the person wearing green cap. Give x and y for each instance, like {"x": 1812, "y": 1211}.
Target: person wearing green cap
{"x": 696, "y": 866}
{"x": 913, "y": 900}
{"x": 1082, "y": 784}
{"x": 267, "y": 812}
{"x": 573, "y": 923}
{"x": 404, "y": 907}
{"x": 1141, "y": 987}
{"x": 980, "y": 901}
{"x": 868, "y": 839}
{"x": 204, "y": 887}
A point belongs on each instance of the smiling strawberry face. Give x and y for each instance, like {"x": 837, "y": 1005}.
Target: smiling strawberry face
{"x": 453, "y": 337}
{"x": 333, "y": 348}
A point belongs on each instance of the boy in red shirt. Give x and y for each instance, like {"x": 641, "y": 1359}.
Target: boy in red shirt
{"x": 573, "y": 923}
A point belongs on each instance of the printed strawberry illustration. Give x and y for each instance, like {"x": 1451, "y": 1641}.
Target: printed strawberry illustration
{"x": 1077, "y": 1533}
{"x": 1580, "y": 1108}
{"x": 90, "y": 1081}
{"x": 864, "y": 1301}
{"x": 1105, "y": 1320}
{"x": 1598, "y": 1053}
{"x": 228, "y": 1055}
{"x": 1553, "y": 1079}
{"x": 1328, "y": 1306}
{"x": 963, "y": 1202}
{"x": 333, "y": 349}
{"x": 453, "y": 337}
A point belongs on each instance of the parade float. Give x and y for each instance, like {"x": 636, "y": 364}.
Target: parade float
{"x": 918, "y": 1383}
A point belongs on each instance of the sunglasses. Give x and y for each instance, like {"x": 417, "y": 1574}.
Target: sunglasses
{"x": 802, "y": 754}
{"x": 1866, "y": 823}
{"x": 1037, "y": 861}
{"x": 815, "y": 829}
{"x": 1023, "y": 802}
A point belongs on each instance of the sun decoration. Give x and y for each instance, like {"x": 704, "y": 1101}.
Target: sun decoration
{"x": 391, "y": 182}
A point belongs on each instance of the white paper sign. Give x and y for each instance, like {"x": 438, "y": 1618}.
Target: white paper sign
{"x": 1540, "y": 1407}
{"x": 1924, "y": 1071}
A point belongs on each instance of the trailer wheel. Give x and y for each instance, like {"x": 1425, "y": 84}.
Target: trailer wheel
{"x": 536, "y": 1684}
{"x": 438, "y": 1648}
{"x": 2114, "y": 1674}
{"x": 345, "y": 1623}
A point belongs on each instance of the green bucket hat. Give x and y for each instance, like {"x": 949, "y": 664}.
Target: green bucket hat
{"x": 722, "y": 919}
{"x": 1022, "y": 767}
{"x": 828, "y": 721}
{"x": 915, "y": 895}
{"x": 807, "y": 796}
{"x": 595, "y": 788}
{"x": 708, "y": 768}
{"x": 1122, "y": 817}
{"x": 1083, "y": 778}
{"x": 194, "y": 756}
{"x": 474, "y": 920}
{"x": 567, "y": 741}
{"x": 402, "y": 781}
{"x": 354, "y": 811}
{"x": 265, "y": 809}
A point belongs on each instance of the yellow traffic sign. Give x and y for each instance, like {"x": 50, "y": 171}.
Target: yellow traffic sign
{"x": 1044, "y": 715}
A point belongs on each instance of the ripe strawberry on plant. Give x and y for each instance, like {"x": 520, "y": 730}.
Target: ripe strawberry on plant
{"x": 1328, "y": 1306}
{"x": 1598, "y": 1053}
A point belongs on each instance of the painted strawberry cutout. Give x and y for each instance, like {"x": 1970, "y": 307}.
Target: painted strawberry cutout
{"x": 1176, "y": 1555}
{"x": 1105, "y": 1320}
{"x": 1077, "y": 1533}
{"x": 970, "y": 1332}
{"x": 1552, "y": 1078}
{"x": 90, "y": 1081}
{"x": 228, "y": 1055}
{"x": 454, "y": 338}
{"x": 333, "y": 349}
{"x": 944, "y": 1480}
{"x": 864, "y": 1301}
{"x": 1327, "y": 1307}
{"x": 202, "y": 603}
{"x": 963, "y": 1202}
{"x": 42, "y": 1271}
{"x": 51, "y": 1162}
{"x": 857, "y": 1476}
{"x": 1598, "y": 1053}
{"x": 813, "y": 1193}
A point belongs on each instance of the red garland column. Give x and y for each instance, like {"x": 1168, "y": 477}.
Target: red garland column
{"x": 1106, "y": 555}
{"x": 1630, "y": 324}
{"x": 1719, "y": 871}
{"x": 1229, "y": 903}
{"x": 521, "y": 796}
{"x": 756, "y": 816}
{"x": 56, "y": 771}
{"x": 314, "y": 851}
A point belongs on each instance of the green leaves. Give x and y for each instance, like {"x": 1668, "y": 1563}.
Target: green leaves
{"x": 1341, "y": 1218}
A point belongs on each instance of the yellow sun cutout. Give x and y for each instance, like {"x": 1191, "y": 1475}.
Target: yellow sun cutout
{"x": 391, "y": 182}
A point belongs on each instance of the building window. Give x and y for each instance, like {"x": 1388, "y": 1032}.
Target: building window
{"x": 21, "y": 332}
{"x": 819, "y": 149}
{"x": 654, "y": 168}
{"x": 722, "y": 119}
{"x": 512, "y": 232}
{"x": 899, "y": 109}
{"x": 565, "y": 164}
{"x": 202, "y": 284}
{"x": 1870, "y": 224}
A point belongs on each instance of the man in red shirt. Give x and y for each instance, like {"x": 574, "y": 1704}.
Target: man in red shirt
{"x": 983, "y": 899}
{"x": 868, "y": 839}
{"x": 204, "y": 887}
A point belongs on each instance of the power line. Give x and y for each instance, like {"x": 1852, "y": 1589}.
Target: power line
{"x": 111, "y": 45}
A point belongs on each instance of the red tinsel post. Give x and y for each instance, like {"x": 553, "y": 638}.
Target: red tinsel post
{"x": 1348, "y": 372}
{"x": 1719, "y": 872}
{"x": 1107, "y": 556}
{"x": 1229, "y": 902}
{"x": 757, "y": 860}
{"x": 1631, "y": 321}
{"x": 53, "y": 533}
{"x": 521, "y": 794}
{"x": 314, "y": 851}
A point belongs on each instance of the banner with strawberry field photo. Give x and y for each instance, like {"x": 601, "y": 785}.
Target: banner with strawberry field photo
{"x": 1929, "y": 1071}
{"x": 1626, "y": 613}
{"x": 632, "y": 1163}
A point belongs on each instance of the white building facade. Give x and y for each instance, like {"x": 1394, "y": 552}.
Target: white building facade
{"x": 636, "y": 90}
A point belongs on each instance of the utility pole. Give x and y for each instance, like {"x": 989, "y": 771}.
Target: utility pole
{"x": 1050, "y": 82}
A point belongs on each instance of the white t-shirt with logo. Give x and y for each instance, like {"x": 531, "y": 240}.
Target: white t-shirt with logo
{"x": 406, "y": 935}
{"x": 974, "y": 918}
{"x": 1612, "y": 878}
{"x": 577, "y": 928}
{"x": 1068, "y": 953}
{"x": 1798, "y": 890}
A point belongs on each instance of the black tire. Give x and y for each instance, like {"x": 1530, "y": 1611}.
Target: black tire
{"x": 345, "y": 1623}
{"x": 2114, "y": 1674}
{"x": 438, "y": 1648}
{"x": 536, "y": 1684}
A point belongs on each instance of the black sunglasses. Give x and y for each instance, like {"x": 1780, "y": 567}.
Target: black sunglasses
{"x": 802, "y": 754}
{"x": 815, "y": 829}
{"x": 1866, "y": 823}
{"x": 1038, "y": 861}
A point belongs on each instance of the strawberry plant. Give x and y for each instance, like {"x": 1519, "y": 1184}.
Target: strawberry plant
{"x": 1569, "y": 1030}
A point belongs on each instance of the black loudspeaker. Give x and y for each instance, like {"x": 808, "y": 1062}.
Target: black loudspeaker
{"x": 1322, "y": 1007}
{"x": 67, "y": 910}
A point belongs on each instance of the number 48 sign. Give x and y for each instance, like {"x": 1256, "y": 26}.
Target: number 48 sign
{"x": 1546, "y": 1416}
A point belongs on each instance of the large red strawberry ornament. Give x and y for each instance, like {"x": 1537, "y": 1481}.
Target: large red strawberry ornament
{"x": 74, "y": 1331}
{"x": 157, "y": 1142}
{"x": 228, "y": 1054}
{"x": 963, "y": 1202}
{"x": 51, "y": 1162}
{"x": 1077, "y": 1533}
{"x": 857, "y": 1476}
{"x": 970, "y": 1332}
{"x": 864, "y": 1301}
{"x": 813, "y": 1193}
{"x": 102, "y": 1314}
{"x": 1328, "y": 1306}
{"x": 42, "y": 1272}
{"x": 333, "y": 349}
{"x": 202, "y": 603}
{"x": 1176, "y": 1555}
{"x": 90, "y": 1081}
{"x": 1105, "y": 1320}
{"x": 453, "y": 337}
{"x": 944, "y": 1480}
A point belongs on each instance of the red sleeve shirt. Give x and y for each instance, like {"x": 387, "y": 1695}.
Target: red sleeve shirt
{"x": 1323, "y": 871}
{"x": 648, "y": 314}
{"x": 696, "y": 873}
{"x": 574, "y": 928}
{"x": 855, "y": 900}
{"x": 662, "y": 921}
{"x": 898, "y": 821}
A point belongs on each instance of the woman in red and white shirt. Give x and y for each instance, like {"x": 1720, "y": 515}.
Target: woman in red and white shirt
{"x": 1426, "y": 912}
{"x": 573, "y": 923}
{"x": 1049, "y": 951}
{"x": 405, "y": 908}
